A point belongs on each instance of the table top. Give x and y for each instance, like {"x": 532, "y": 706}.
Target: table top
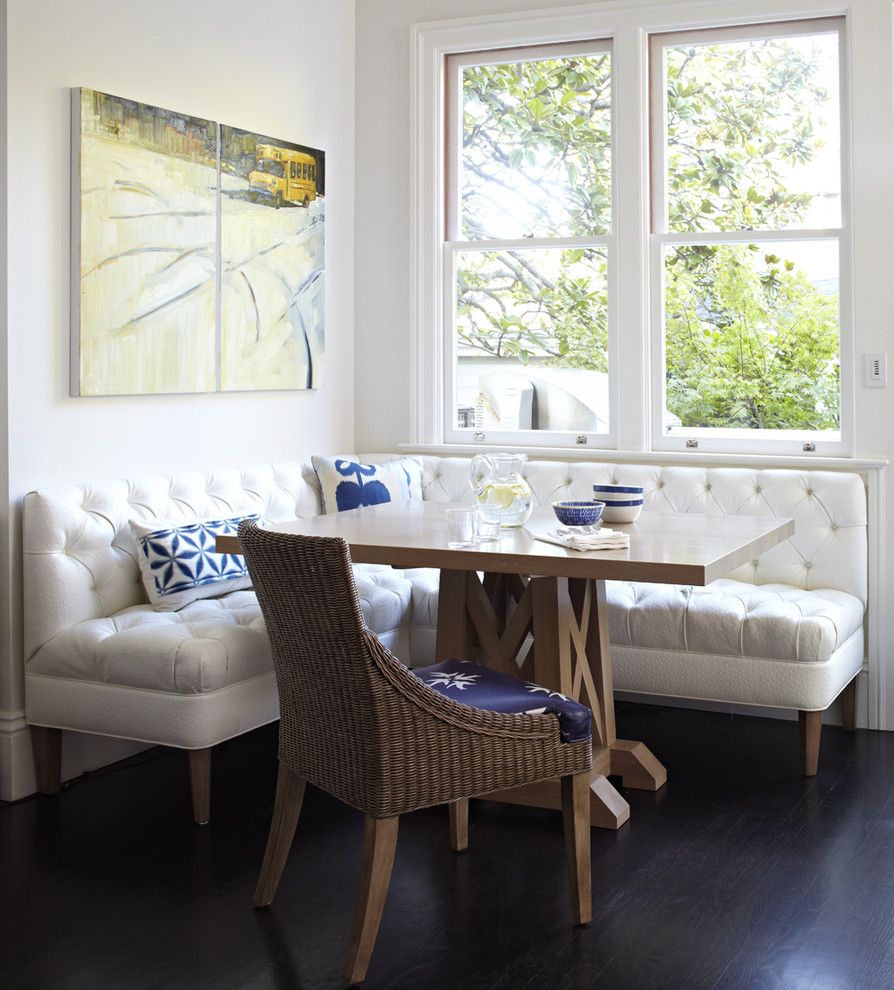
{"x": 670, "y": 549}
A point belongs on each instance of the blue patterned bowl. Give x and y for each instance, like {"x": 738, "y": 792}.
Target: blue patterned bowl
{"x": 578, "y": 513}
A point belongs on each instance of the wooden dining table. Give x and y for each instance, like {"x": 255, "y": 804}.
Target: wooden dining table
{"x": 539, "y": 611}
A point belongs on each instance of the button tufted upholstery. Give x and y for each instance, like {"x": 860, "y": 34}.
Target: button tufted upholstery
{"x": 80, "y": 556}
{"x": 88, "y": 623}
{"x": 100, "y": 660}
{"x": 828, "y": 549}
{"x": 733, "y": 619}
{"x": 784, "y": 630}
{"x": 209, "y": 644}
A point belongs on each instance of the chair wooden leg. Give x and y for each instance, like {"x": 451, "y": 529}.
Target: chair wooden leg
{"x": 576, "y": 819}
{"x": 849, "y": 706}
{"x": 200, "y": 784}
{"x": 811, "y": 729}
{"x": 286, "y": 809}
{"x": 379, "y": 842}
{"x": 459, "y": 825}
{"x": 47, "y": 746}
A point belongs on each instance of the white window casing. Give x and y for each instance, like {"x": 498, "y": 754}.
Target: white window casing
{"x": 636, "y": 398}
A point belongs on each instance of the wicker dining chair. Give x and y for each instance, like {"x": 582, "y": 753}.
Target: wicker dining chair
{"x": 356, "y": 723}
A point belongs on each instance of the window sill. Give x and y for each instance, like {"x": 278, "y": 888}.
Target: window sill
{"x": 656, "y": 457}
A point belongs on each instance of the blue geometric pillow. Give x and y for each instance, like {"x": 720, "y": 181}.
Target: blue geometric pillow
{"x": 348, "y": 484}
{"x": 178, "y": 562}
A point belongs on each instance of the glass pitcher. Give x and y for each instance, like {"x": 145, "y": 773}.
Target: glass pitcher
{"x": 502, "y": 492}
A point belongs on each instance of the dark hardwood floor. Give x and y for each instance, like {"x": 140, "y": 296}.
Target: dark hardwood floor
{"x": 739, "y": 874}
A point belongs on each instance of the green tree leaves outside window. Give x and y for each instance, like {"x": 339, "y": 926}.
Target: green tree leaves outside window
{"x": 751, "y": 341}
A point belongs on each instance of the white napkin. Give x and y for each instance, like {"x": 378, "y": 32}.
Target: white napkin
{"x": 571, "y": 537}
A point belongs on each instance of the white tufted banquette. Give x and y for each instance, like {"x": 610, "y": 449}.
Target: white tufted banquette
{"x": 785, "y": 630}
{"x": 100, "y": 660}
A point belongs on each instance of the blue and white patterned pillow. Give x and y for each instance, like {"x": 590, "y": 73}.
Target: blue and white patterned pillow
{"x": 179, "y": 564}
{"x": 347, "y": 484}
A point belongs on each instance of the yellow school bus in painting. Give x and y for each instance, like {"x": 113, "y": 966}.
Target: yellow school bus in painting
{"x": 282, "y": 176}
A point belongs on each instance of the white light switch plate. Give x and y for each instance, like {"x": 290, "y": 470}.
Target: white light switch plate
{"x": 876, "y": 370}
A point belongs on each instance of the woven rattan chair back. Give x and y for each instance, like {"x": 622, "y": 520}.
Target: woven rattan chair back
{"x": 329, "y": 689}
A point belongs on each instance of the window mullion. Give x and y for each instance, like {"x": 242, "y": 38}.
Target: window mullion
{"x": 629, "y": 344}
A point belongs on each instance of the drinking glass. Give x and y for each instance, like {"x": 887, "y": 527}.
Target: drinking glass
{"x": 462, "y": 527}
{"x": 488, "y": 527}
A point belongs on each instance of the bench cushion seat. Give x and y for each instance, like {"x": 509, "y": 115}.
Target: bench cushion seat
{"x": 770, "y": 621}
{"x": 216, "y": 642}
{"x": 209, "y": 644}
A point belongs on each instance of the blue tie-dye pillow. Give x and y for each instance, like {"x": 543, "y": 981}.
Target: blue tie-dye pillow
{"x": 348, "y": 484}
{"x": 179, "y": 563}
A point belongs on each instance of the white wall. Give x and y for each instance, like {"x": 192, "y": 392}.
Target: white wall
{"x": 284, "y": 68}
{"x": 385, "y": 316}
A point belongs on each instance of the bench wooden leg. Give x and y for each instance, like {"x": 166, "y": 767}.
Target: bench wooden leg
{"x": 811, "y": 729}
{"x": 849, "y": 706}
{"x": 47, "y": 746}
{"x": 200, "y": 784}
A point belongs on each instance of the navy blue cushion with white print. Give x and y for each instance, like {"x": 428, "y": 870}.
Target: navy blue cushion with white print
{"x": 479, "y": 687}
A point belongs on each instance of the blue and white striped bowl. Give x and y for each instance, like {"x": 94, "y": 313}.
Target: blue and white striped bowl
{"x": 618, "y": 491}
{"x": 623, "y": 503}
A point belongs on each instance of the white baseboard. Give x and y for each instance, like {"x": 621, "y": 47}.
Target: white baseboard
{"x": 80, "y": 753}
{"x": 17, "y": 779}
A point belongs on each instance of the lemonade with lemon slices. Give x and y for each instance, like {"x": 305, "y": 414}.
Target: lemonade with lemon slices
{"x": 503, "y": 494}
{"x": 509, "y": 503}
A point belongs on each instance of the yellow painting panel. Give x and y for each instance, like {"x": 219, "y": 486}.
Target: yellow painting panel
{"x": 272, "y": 264}
{"x": 146, "y": 251}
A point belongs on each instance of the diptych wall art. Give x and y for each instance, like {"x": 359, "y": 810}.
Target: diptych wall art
{"x": 271, "y": 246}
{"x": 197, "y": 254}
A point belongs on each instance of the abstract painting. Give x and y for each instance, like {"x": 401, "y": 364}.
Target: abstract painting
{"x": 197, "y": 254}
{"x": 272, "y": 247}
{"x": 144, "y": 248}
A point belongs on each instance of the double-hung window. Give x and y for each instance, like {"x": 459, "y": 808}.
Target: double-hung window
{"x": 528, "y": 245}
{"x": 715, "y": 315}
{"x": 747, "y": 237}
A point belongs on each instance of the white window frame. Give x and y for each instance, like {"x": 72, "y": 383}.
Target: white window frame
{"x": 715, "y": 440}
{"x": 630, "y": 26}
{"x": 455, "y": 245}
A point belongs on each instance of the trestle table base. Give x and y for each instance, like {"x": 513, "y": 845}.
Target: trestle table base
{"x": 553, "y": 631}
